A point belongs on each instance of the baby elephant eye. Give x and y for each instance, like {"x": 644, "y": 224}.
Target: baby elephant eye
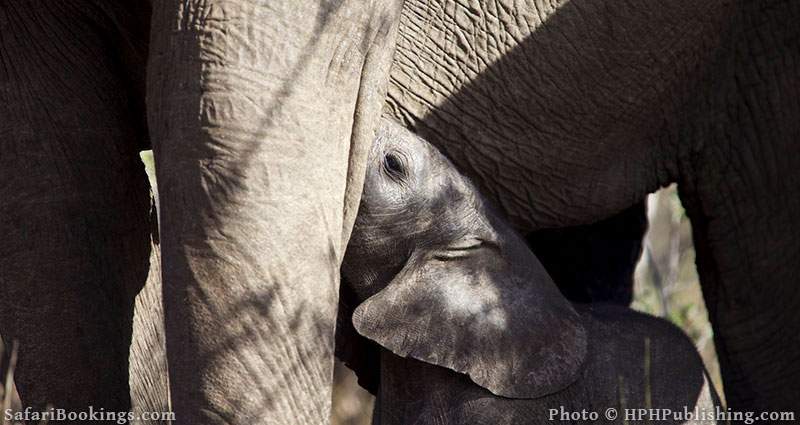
{"x": 394, "y": 164}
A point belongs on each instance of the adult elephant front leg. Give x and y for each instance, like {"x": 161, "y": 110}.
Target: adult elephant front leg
{"x": 261, "y": 115}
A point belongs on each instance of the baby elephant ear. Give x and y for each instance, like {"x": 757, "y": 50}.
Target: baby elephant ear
{"x": 497, "y": 318}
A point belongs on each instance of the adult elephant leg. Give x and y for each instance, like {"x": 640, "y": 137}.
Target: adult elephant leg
{"x": 74, "y": 201}
{"x": 260, "y": 115}
{"x": 741, "y": 189}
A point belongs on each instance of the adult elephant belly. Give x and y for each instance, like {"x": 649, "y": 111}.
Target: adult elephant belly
{"x": 569, "y": 112}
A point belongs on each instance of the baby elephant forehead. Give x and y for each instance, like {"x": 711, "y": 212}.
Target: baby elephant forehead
{"x": 390, "y": 131}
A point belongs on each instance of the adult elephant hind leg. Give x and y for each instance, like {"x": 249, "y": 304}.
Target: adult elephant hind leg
{"x": 741, "y": 189}
{"x": 74, "y": 209}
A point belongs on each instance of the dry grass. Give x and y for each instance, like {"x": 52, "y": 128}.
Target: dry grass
{"x": 9, "y": 400}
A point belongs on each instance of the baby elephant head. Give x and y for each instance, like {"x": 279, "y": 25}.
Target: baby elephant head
{"x": 442, "y": 278}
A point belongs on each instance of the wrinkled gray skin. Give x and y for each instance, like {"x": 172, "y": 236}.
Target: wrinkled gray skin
{"x": 261, "y": 115}
{"x": 445, "y": 286}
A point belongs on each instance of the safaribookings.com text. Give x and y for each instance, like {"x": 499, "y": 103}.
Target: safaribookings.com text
{"x": 29, "y": 415}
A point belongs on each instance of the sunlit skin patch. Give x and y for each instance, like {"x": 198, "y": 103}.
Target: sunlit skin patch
{"x": 473, "y": 304}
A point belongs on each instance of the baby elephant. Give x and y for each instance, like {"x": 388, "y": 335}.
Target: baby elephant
{"x": 473, "y": 330}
